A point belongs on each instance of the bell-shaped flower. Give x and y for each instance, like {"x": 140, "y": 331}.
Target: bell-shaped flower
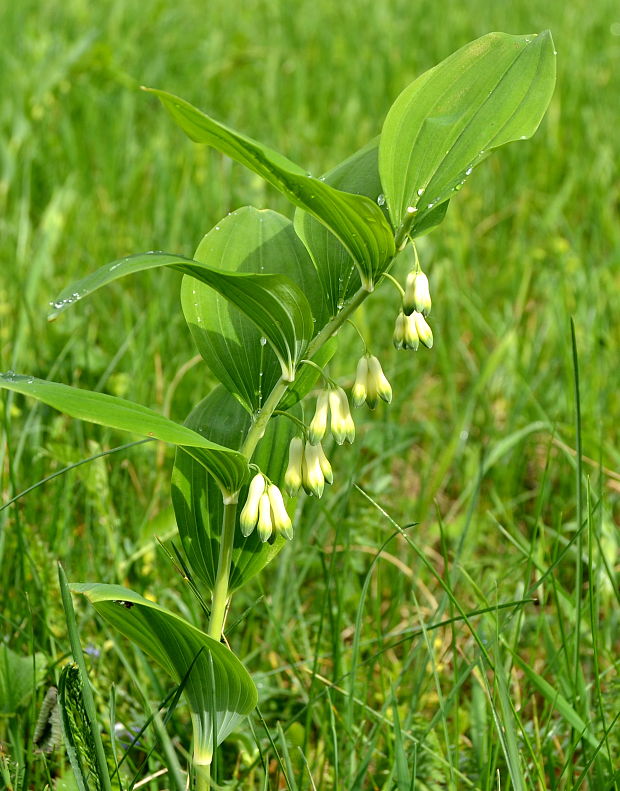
{"x": 249, "y": 514}
{"x": 377, "y": 383}
{"x": 326, "y": 467}
{"x": 313, "y": 476}
{"x": 400, "y": 329}
{"x": 417, "y": 294}
{"x": 424, "y": 332}
{"x": 279, "y": 516}
{"x": 410, "y": 335}
{"x": 359, "y": 391}
{"x": 293, "y": 474}
{"x": 342, "y": 425}
{"x": 265, "y": 524}
{"x": 318, "y": 425}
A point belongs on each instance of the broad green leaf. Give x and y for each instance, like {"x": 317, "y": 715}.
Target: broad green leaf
{"x": 19, "y": 677}
{"x": 278, "y": 308}
{"x": 227, "y": 466}
{"x": 218, "y": 688}
{"x": 357, "y": 221}
{"x": 336, "y": 268}
{"x": 248, "y": 240}
{"x": 492, "y": 91}
{"x": 198, "y": 504}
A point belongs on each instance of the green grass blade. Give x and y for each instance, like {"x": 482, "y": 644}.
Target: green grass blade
{"x": 103, "y": 775}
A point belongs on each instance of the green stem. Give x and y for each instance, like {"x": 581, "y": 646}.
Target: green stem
{"x": 219, "y": 600}
{"x": 254, "y": 435}
{"x": 203, "y": 777}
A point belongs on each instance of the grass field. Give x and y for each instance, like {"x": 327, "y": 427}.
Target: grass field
{"x": 508, "y": 463}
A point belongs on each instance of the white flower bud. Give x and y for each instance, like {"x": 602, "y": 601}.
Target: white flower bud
{"x": 280, "y": 518}
{"x": 313, "y": 478}
{"x": 318, "y": 426}
{"x": 292, "y": 476}
{"x": 417, "y": 294}
{"x": 342, "y": 425}
{"x": 326, "y": 467}
{"x": 425, "y": 334}
{"x": 378, "y": 384}
{"x": 264, "y": 525}
{"x": 422, "y": 294}
{"x": 358, "y": 393}
{"x": 249, "y": 513}
{"x": 400, "y": 328}
{"x": 411, "y": 339}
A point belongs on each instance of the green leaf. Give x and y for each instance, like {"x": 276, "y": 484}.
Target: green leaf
{"x": 249, "y": 240}
{"x": 227, "y": 466}
{"x": 357, "y": 221}
{"x": 336, "y": 268}
{"x": 218, "y": 688}
{"x": 273, "y": 302}
{"x": 492, "y": 91}
{"x": 197, "y": 503}
{"x": 19, "y": 676}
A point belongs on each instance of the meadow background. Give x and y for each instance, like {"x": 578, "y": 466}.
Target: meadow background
{"x": 480, "y": 446}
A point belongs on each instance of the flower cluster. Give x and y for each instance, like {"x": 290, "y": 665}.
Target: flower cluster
{"x": 308, "y": 466}
{"x": 333, "y": 400}
{"x": 370, "y": 383}
{"x": 264, "y": 510}
{"x": 411, "y": 327}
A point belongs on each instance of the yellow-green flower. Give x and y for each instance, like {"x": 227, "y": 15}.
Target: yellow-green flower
{"x": 377, "y": 383}
{"x": 342, "y": 425}
{"x": 293, "y": 474}
{"x": 359, "y": 391}
{"x": 312, "y": 475}
{"x": 318, "y": 426}
{"x": 400, "y": 329}
{"x": 326, "y": 467}
{"x": 279, "y": 516}
{"x": 417, "y": 294}
{"x": 264, "y": 525}
{"x": 424, "y": 332}
{"x": 249, "y": 514}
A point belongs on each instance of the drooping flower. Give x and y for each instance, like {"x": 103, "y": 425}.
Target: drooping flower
{"x": 424, "y": 332}
{"x": 279, "y": 516}
{"x": 400, "y": 329}
{"x": 249, "y": 514}
{"x": 326, "y": 467}
{"x": 359, "y": 391}
{"x": 293, "y": 474}
{"x": 342, "y": 425}
{"x": 417, "y": 294}
{"x": 264, "y": 525}
{"x": 377, "y": 383}
{"x": 313, "y": 477}
{"x": 318, "y": 425}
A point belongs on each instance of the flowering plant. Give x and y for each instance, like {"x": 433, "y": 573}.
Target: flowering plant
{"x": 265, "y": 298}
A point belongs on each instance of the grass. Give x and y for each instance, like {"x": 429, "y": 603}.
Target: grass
{"x": 476, "y": 648}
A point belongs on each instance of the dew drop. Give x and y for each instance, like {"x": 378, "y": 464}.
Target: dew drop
{"x": 381, "y": 199}
{"x": 263, "y": 340}
{"x": 412, "y": 209}
{"x": 421, "y": 191}
{"x": 468, "y": 171}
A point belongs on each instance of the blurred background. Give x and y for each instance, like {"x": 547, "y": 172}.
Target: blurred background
{"x": 479, "y": 446}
